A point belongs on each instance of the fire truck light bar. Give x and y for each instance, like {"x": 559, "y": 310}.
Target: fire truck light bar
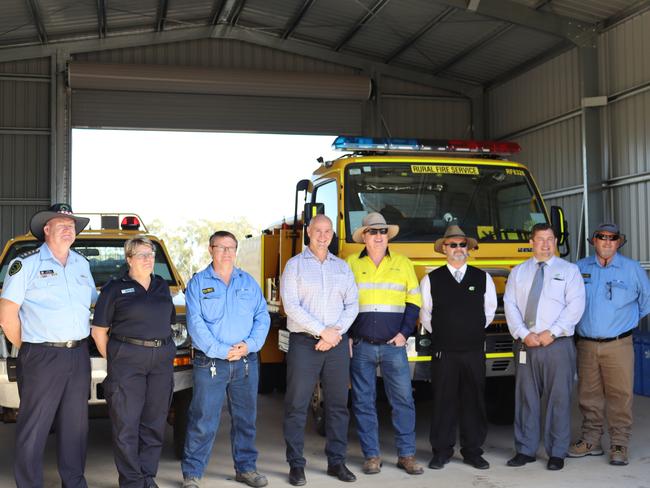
{"x": 455, "y": 146}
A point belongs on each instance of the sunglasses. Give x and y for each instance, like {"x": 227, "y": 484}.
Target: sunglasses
{"x": 374, "y": 232}
{"x": 454, "y": 245}
{"x": 607, "y": 237}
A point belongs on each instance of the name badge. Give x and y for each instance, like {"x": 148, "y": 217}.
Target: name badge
{"x": 47, "y": 272}
{"x": 128, "y": 290}
{"x": 207, "y": 290}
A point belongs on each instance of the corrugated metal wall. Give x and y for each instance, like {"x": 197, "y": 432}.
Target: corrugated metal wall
{"x": 25, "y": 122}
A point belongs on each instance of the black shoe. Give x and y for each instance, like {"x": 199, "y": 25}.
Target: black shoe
{"x": 438, "y": 461}
{"x": 555, "y": 463}
{"x": 477, "y": 461}
{"x": 297, "y": 476}
{"x": 341, "y": 472}
{"x": 520, "y": 460}
{"x": 151, "y": 483}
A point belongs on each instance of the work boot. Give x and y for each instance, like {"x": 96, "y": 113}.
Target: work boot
{"x": 252, "y": 478}
{"x": 409, "y": 464}
{"x": 372, "y": 465}
{"x": 583, "y": 448}
{"x": 618, "y": 455}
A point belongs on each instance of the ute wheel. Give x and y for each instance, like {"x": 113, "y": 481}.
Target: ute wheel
{"x": 500, "y": 399}
{"x": 181, "y": 406}
{"x": 317, "y": 410}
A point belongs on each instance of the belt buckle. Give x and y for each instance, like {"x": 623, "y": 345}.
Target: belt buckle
{"x": 69, "y": 344}
{"x": 157, "y": 343}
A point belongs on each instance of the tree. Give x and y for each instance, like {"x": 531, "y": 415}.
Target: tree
{"x": 188, "y": 244}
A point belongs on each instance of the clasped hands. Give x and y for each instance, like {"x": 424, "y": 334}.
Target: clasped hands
{"x": 329, "y": 338}
{"x": 542, "y": 339}
{"x": 237, "y": 351}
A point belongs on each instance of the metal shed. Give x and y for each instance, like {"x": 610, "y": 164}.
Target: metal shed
{"x": 568, "y": 79}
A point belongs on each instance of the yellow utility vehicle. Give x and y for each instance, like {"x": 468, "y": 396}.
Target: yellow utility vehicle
{"x": 422, "y": 186}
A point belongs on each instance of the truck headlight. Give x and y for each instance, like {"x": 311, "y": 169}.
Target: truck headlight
{"x": 179, "y": 335}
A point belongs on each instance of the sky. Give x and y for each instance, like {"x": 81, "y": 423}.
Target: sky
{"x": 180, "y": 176}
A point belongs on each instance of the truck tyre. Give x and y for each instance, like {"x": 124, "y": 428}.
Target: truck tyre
{"x": 317, "y": 410}
{"x": 181, "y": 406}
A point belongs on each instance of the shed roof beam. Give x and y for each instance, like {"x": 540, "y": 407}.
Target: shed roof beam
{"x": 231, "y": 11}
{"x": 579, "y": 33}
{"x": 161, "y": 15}
{"x": 102, "y": 26}
{"x": 371, "y": 12}
{"x": 217, "y": 8}
{"x": 35, "y": 11}
{"x": 419, "y": 34}
{"x": 295, "y": 20}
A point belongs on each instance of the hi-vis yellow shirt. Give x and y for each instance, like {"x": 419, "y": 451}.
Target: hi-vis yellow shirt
{"x": 384, "y": 293}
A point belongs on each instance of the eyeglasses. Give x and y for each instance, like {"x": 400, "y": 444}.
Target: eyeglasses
{"x": 144, "y": 255}
{"x": 374, "y": 232}
{"x": 607, "y": 237}
{"x": 454, "y": 245}
{"x": 224, "y": 249}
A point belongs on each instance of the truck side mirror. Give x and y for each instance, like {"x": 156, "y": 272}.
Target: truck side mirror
{"x": 559, "y": 224}
{"x": 311, "y": 210}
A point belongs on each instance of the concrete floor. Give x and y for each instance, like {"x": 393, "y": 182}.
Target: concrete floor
{"x": 592, "y": 471}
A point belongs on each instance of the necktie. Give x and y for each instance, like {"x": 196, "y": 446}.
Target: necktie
{"x": 458, "y": 275}
{"x": 533, "y": 296}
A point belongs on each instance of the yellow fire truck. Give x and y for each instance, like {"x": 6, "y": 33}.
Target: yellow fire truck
{"x": 421, "y": 186}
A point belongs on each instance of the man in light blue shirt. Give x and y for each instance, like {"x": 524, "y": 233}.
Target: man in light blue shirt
{"x": 45, "y": 311}
{"x": 618, "y": 296}
{"x": 228, "y": 321}
{"x": 544, "y": 300}
{"x": 320, "y": 298}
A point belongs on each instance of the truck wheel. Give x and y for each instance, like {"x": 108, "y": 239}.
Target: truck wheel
{"x": 181, "y": 406}
{"x": 317, "y": 410}
{"x": 500, "y": 399}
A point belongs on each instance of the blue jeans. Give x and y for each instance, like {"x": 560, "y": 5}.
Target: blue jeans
{"x": 394, "y": 366}
{"x": 235, "y": 381}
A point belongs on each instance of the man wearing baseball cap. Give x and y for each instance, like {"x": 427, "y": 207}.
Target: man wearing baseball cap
{"x": 45, "y": 310}
{"x": 618, "y": 296}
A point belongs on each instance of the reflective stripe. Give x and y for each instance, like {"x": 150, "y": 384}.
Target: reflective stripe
{"x": 381, "y": 286}
{"x": 414, "y": 291}
{"x": 382, "y": 308}
{"x": 489, "y": 355}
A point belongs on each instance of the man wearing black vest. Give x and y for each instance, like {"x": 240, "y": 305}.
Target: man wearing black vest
{"x": 458, "y": 303}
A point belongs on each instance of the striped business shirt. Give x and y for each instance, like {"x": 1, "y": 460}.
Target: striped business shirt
{"x": 317, "y": 295}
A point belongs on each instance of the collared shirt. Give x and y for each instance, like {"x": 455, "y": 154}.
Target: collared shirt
{"x": 317, "y": 295}
{"x": 220, "y": 316}
{"x": 54, "y": 299}
{"x": 560, "y": 305}
{"x": 130, "y": 310}
{"x": 618, "y": 296}
{"x": 489, "y": 298}
{"x": 389, "y": 296}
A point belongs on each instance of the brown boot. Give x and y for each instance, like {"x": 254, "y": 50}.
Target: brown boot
{"x": 618, "y": 455}
{"x": 409, "y": 464}
{"x": 372, "y": 465}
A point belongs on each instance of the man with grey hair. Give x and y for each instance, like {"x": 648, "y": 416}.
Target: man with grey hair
{"x": 319, "y": 296}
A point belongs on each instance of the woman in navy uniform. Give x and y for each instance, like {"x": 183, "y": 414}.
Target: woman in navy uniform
{"x": 137, "y": 309}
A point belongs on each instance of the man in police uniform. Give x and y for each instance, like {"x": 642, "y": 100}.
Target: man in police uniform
{"x": 389, "y": 304}
{"x": 44, "y": 310}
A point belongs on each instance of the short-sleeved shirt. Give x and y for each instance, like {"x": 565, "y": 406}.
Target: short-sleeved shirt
{"x": 130, "y": 310}
{"x": 54, "y": 299}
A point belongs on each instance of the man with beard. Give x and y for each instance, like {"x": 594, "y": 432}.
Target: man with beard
{"x": 458, "y": 303}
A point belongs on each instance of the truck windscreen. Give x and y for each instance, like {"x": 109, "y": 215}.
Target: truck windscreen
{"x": 492, "y": 203}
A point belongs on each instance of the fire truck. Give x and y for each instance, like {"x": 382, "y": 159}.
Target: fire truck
{"x": 422, "y": 186}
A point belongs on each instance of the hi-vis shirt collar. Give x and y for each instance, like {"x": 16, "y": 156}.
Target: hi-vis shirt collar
{"x": 364, "y": 253}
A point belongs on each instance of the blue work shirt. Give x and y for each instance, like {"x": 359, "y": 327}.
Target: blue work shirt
{"x": 618, "y": 296}
{"x": 220, "y": 316}
{"x": 316, "y": 295}
{"x": 561, "y": 303}
{"x": 54, "y": 299}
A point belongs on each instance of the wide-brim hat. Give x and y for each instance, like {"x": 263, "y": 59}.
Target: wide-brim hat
{"x": 608, "y": 227}
{"x": 39, "y": 219}
{"x": 454, "y": 231}
{"x": 374, "y": 220}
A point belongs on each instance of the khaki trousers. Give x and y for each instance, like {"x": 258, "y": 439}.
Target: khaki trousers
{"x": 605, "y": 389}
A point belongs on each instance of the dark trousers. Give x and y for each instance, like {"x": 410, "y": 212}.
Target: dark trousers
{"x": 458, "y": 383}
{"x": 54, "y": 385}
{"x": 138, "y": 390}
{"x": 305, "y": 366}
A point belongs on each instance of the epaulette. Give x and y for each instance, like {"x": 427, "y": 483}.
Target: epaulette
{"x": 26, "y": 254}
{"x": 80, "y": 254}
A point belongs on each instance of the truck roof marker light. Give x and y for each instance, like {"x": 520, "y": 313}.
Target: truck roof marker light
{"x": 130, "y": 222}
{"x": 453, "y": 146}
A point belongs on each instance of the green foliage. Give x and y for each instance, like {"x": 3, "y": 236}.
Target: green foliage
{"x": 188, "y": 244}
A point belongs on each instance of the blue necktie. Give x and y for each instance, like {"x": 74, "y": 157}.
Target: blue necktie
{"x": 533, "y": 296}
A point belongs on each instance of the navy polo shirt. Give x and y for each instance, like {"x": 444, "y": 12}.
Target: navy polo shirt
{"x": 131, "y": 311}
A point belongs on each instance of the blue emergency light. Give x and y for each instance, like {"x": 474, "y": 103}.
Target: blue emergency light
{"x": 384, "y": 144}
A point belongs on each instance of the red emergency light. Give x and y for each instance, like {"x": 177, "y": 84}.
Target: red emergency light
{"x": 130, "y": 222}
{"x": 456, "y": 146}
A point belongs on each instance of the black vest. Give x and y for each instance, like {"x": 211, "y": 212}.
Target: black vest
{"x": 458, "y": 315}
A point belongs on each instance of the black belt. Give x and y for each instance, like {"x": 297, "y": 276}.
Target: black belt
{"x": 66, "y": 344}
{"x": 374, "y": 342}
{"x": 141, "y": 342}
{"x": 608, "y": 339}
{"x": 307, "y": 334}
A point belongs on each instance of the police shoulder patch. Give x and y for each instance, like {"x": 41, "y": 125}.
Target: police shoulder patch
{"x": 15, "y": 268}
